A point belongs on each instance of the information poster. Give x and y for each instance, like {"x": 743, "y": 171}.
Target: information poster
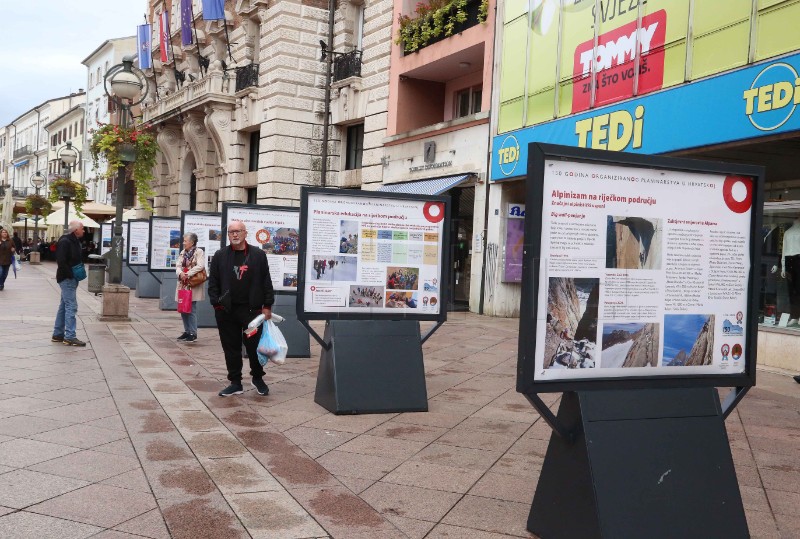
{"x": 275, "y": 229}
{"x": 107, "y": 234}
{"x": 644, "y": 272}
{"x": 373, "y": 255}
{"x": 165, "y": 243}
{"x": 138, "y": 245}
{"x": 515, "y": 243}
{"x": 208, "y": 227}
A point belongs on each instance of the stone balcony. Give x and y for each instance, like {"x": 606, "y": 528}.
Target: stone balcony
{"x": 215, "y": 87}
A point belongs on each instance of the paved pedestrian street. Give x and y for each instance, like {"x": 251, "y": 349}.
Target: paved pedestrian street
{"x": 127, "y": 438}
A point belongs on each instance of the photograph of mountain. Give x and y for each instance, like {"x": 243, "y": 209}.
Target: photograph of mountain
{"x": 688, "y": 340}
{"x": 571, "y": 334}
{"x": 633, "y": 242}
{"x": 630, "y": 345}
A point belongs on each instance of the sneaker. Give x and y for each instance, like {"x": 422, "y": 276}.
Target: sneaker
{"x": 233, "y": 389}
{"x": 57, "y": 338}
{"x": 183, "y": 336}
{"x": 190, "y": 338}
{"x": 74, "y": 342}
{"x": 260, "y": 386}
{"x": 797, "y": 378}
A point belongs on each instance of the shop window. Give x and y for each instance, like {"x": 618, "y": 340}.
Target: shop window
{"x": 779, "y": 301}
{"x": 468, "y": 101}
{"x": 355, "y": 146}
{"x": 255, "y": 144}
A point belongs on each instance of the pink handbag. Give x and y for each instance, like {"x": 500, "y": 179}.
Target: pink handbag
{"x": 185, "y": 301}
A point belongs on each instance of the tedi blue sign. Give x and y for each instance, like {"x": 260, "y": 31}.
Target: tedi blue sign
{"x": 754, "y": 101}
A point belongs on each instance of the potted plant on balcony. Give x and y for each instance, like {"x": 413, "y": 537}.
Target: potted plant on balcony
{"x": 37, "y": 205}
{"x": 120, "y": 147}
{"x": 64, "y": 187}
{"x": 438, "y": 18}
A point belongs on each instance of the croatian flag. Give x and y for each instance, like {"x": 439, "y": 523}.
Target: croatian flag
{"x": 213, "y": 10}
{"x": 164, "y": 38}
{"x": 145, "y": 40}
{"x": 186, "y": 22}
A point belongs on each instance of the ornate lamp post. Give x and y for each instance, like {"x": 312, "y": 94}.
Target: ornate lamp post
{"x": 68, "y": 157}
{"x": 37, "y": 181}
{"x": 126, "y": 85}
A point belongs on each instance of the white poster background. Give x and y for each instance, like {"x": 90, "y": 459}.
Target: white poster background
{"x": 208, "y": 229}
{"x": 138, "y": 242}
{"x": 386, "y": 254}
{"x": 695, "y": 265}
{"x": 263, "y": 224}
{"x": 165, "y": 243}
{"x": 106, "y": 235}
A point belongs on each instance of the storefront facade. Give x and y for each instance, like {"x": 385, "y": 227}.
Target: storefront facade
{"x": 712, "y": 80}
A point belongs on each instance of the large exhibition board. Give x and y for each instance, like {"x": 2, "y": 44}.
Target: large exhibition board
{"x": 207, "y": 226}
{"x": 638, "y": 268}
{"x": 275, "y": 229}
{"x": 165, "y": 243}
{"x": 138, "y": 244}
{"x": 106, "y": 235}
{"x": 373, "y": 255}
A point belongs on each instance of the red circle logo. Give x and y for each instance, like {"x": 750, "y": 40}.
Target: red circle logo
{"x": 733, "y": 182}
{"x": 263, "y": 236}
{"x": 433, "y": 211}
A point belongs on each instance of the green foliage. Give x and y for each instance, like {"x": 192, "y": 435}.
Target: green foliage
{"x": 37, "y": 205}
{"x": 77, "y": 193}
{"x": 432, "y": 20}
{"x": 106, "y": 144}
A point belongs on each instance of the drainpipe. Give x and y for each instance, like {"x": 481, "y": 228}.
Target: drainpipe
{"x": 328, "y": 69}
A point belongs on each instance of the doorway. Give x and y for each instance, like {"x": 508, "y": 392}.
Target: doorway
{"x": 461, "y": 214}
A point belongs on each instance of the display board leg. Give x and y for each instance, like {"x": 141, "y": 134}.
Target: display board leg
{"x": 130, "y": 276}
{"x": 372, "y": 367}
{"x": 205, "y": 312}
{"x": 644, "y": 463}
{"x": 147, "y": 285}
{"x": 295, "y": 333}
{"x": 169, "y": 283}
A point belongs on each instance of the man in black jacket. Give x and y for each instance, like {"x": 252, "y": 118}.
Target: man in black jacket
{"x": 240, "y": 288}
{"x": 68, "y": 254}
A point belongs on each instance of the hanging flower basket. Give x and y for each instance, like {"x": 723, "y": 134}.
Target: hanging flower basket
{"x": 37, "y": 205}
{"x": 133, "y": 149}
{"x": 66, "y": 188}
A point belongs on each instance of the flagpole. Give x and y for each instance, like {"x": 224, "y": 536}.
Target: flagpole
{"x": 201, "y": 59}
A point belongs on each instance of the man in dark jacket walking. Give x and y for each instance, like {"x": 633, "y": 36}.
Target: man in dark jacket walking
{"x": 68, "y": 255}
{"x": 240, "y": 288}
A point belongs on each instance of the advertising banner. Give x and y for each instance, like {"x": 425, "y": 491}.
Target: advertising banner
{"x": 138, "y": 244}
{"x": 275, "y": 229}
{"x": 643, "y": 272}
{"x": 165, "y": 243}
{"x": 373, "y": 255}
{"x": 515, "y": 240}
{"x": 207, "y": 226}
{"x": 107, "y": 233}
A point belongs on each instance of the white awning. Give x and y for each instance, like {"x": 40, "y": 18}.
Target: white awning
{"x": 432, "y": 186}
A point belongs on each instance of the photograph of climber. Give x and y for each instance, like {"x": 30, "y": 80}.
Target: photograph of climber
{"x": 571, "y": 334}
{"x": 633, "y": 344}
{"x": 633, "y": 242}
{"x": 688, "y": 340}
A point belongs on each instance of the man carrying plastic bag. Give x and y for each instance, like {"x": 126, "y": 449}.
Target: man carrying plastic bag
{"x": 272, "y": 346}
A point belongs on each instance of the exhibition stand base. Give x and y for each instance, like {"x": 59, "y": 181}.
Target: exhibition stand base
{"x": 296, "y": 334}
{"x": 116, "y": 303}
{"x": 650, "y": 463}
{"x": 147, "y": 285}
{"x": 205, "y": 312}
{"x": 130, "y": 276}
{"x": 169, "y": 283}
{"x": 371, "y": 367}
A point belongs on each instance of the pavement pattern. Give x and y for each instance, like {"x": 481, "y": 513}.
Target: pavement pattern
{"x": 127, "y": 438}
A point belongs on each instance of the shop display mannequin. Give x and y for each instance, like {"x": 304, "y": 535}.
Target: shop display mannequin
{"x": 790, "y": 259}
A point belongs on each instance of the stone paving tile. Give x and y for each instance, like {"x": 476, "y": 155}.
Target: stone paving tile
{"x": 21, "y": 488}
{"x": 366, "y": 444}
{"x": 434, "y": 476}
{"x": 240, "y": 475}
{"x": 447, "y": 531}
{"x": 207, "y": 516}
{"x": 99, "y": 505}
{"x": 508, "y": 518}
{"x": 88, "y": 465}
{"x": 409, "y": 502}
{"x": 344, "y": 514}
{"x": 23, "y": 425}
{"x": 25, "y": 405}
{"x": 341, "y": 463}
{"x": 25, "y": 525}
{"x": 150, "y": 524}
{"x": 69, "y": 395}
{"x": 132, "y": 480}
{"x": 274, "y": 514}
{"x": 20, "y": 453}
{"x": 316, "y": 442}
{"x": 88, "y": 411}
{"x": 82, "y": 436}
{"x": 404, "y": 431}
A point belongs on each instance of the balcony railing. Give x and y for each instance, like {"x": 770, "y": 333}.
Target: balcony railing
{"x": 246, "y": 76}
{"x": 22, "y": 152}
{"x": 347, "y": 65}
{"x": 215, "y": 86}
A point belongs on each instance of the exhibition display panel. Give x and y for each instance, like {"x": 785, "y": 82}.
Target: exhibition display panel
{"x": 165, "y": 243}
{"x": 138, "y": 244}
{"x": 106, "y": 235}
{"x": 207, "y": 226}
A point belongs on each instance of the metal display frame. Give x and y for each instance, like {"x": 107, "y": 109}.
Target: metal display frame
{"x": 184, "y": 213}
{"x": 150, "y": 252}
{"x": 128, "y": 243}
{"x": 110, "y": 225}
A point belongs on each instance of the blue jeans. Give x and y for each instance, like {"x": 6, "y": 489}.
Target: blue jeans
{"x": 67, "y": 309}
{"x": 4, "y": 273}
{"x": 190, "y": 320}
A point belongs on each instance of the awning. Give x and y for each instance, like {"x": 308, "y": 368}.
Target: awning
{"x": 432, "y": 186}
{"x": 25, "y": 162}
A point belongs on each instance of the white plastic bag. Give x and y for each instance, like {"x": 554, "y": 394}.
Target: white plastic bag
{"x": 272, "y": 346}
{"x": 17, "y": 265}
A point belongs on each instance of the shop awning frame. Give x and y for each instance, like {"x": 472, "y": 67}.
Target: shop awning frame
{"x": 431, "y": 186}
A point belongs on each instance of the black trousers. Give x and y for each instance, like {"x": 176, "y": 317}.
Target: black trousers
{"x": 230, "y": 326}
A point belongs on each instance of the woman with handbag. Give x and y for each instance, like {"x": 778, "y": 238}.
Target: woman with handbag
{"x": 191, "y": 270}
{"x": 7, "y": 250}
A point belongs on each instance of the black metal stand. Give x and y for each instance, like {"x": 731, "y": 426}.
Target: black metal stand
{"x": 293, "y": 330}
{"x": 147, "y": 285}
{"x": 638, "y": 463}
{"x": 130, "y": 276}
{"x": 371, "y": 367}
{"x": 169, "y": 284}
{"x": 205, "y": 312}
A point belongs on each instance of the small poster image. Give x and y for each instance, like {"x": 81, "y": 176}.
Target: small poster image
{"x": 571, "y": 336}
{"x": 348, "y": 244}
{"x": 333, "y": 268}
{"x": 290, "y": 280}
{"x": 366, "y": 296}
{"x": 278, "y": 241}
{"x": 633, "y": 344}
{"x": 214, "y": 234}
{"x": 633, "y": 242}
{"x": 688, "y": 340}
{"x": 175, "y": 239}
{"x": 402, "y": 278}
{"x": 401, "y": 300}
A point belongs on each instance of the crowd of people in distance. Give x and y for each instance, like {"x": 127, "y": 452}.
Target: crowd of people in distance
{"x": 402, "y": 279}
{"x": 401, "y": 300}
{"x": 321, "y": 265}
{"x": 365, "y": 296}
{"x": 349, "y": 244}
{"x": 47, "y": 248}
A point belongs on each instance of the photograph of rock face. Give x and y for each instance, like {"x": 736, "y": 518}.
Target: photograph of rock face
{"x": 688, "y": 340}
{"x": 633, "y": 243}
{"x": 630, "y": 345}
{"x": 571, "y": 334}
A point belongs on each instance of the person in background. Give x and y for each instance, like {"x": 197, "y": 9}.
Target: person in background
{"x": 7, "y": 250}
{"x": 191, "y": 261}
{"x": 68, "y": 254}
{"x": 17, "y": 242}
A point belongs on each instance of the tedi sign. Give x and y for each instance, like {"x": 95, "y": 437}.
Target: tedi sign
{"x": 772, "y": 97}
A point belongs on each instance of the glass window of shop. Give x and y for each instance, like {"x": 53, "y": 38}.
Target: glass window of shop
{"x": 780, "y": 266}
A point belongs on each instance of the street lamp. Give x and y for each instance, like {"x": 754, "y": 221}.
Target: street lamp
{"x": 37, "y": 181}
{"x": 68, "y": 157}
{"x": 126, "y": 85}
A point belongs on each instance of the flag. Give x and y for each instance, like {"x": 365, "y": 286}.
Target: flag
{"x": 213, "y": 10}
{"x": 186, "y": 22}
{"x": 145, "y": 42}
{"x": 164, "y": 38}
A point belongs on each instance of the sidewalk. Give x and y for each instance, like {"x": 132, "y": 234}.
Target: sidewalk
{"x": 128, "y": 438}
